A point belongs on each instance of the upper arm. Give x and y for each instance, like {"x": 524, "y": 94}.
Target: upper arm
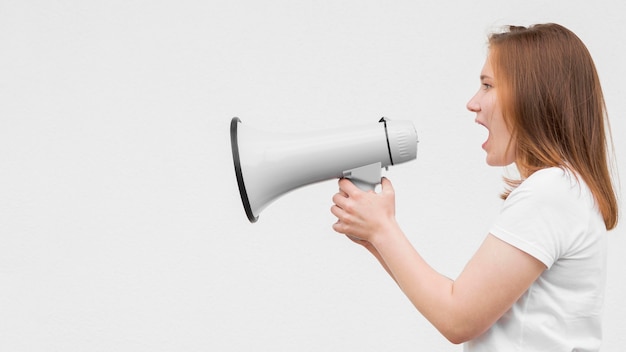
{"x": 496, "y": 276}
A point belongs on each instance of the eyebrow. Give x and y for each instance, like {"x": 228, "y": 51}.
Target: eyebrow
{"x": 482, "y": 77}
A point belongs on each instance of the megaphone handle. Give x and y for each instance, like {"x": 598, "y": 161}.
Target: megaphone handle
{"x": 364, "y": 186}
{"x": 365, "y": 177}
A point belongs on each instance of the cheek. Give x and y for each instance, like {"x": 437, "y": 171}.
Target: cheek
{"x": 511, "y": 150}
{"x": 510, "y": 147}
{"x": 503, "y": 136}
{"x": 491, "y": 110}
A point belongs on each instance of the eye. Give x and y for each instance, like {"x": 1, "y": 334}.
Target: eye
{"x": 486, "y": 86}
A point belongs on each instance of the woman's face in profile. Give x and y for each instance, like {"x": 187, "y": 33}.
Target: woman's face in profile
{"x": 499, "y": 147}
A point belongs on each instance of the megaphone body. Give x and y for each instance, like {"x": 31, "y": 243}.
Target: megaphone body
{"x": 268, "y": 164}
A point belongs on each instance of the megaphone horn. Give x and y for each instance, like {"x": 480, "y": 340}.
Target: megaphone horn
{"x": 268, "y": 164}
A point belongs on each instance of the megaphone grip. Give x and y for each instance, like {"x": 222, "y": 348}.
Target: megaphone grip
{"x": 365, "y": 177}
{"x": 364, "y": 186}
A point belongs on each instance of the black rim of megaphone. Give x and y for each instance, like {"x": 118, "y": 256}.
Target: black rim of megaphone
{"x": 242, "y": 187}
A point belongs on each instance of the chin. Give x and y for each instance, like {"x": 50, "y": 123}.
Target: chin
{"x": 500, "y": 163}
{"x": 491, "y": 162}
{"x": 496, "y": 162}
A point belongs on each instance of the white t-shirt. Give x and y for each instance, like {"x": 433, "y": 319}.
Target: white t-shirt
{"x": 552, "y": 216}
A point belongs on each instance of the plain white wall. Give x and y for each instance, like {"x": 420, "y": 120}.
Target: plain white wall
{"x": 121, "y": 227}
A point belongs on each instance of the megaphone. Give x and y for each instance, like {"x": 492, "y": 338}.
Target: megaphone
{"x": 269, "y": 164}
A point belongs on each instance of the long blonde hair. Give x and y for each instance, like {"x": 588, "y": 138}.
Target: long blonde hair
{"x": 554, "y": 107}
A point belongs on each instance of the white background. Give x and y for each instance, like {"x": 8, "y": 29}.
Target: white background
{"x": 121, "y": 227}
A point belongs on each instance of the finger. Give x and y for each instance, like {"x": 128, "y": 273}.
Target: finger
{"x": 342, "y": 215}
{"x": 342, "y": 193}
{"x": 340, "y": 200}
{"x": 337, "y": 212}
{"x": 348, "y": 187}
{"x": 340, "y": 227}
{"x": 386, "y": 186}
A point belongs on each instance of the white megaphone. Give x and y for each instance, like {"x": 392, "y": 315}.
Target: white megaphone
{"x": 268, "y": 165}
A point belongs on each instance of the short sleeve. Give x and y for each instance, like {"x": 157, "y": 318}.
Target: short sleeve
{"x": 539, "y": 216}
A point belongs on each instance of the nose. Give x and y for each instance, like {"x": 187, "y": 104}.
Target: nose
{"x": 473, "y": 105}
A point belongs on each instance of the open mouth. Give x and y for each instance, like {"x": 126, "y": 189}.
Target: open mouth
{"x": 486, "y": 132}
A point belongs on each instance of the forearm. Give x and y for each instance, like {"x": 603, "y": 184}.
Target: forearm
{"x": 375, "y": 253}
{"x": 492, "y": 281}
{"x": 430, "y": 292}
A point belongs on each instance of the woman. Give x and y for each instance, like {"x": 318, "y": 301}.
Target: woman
{"x": 537, "y": 281}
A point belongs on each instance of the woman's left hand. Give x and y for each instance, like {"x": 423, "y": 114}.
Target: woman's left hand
{"x": 363, "y": 215}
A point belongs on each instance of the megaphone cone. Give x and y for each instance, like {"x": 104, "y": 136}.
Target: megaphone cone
{"x": 268, "y": 165}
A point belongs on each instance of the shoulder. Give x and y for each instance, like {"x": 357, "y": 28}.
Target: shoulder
{"x": 552, "y": 185}
{"x": 550, "y": 177}
{"x": 546, "y": 214}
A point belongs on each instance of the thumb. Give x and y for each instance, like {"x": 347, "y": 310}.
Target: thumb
{"x": 386, "y": 186}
